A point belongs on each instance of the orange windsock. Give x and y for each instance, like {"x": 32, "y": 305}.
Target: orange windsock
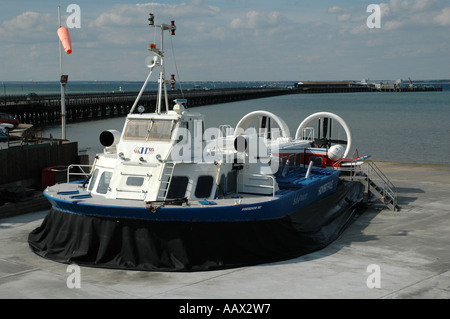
{"x": 64, "y": 36}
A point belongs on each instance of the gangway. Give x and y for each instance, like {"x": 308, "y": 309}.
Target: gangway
{"x": 374, "y": 181}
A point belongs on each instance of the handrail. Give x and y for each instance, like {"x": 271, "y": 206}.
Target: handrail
{"x": 263, "y": 186}
{"x": 374, "y": 174}
{"x": 387, "y": 186}
{"x": 380, "y": 173}
{"x": 84, "y": 173}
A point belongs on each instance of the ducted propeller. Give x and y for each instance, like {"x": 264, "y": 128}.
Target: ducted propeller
{"x": 324, "y": 136}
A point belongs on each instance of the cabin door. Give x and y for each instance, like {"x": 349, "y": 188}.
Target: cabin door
{"x": 134, "y": 182}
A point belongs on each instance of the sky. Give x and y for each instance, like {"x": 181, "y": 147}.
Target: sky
{"x": 233, "y": 40}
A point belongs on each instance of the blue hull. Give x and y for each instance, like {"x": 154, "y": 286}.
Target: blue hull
{"x": 135, "y": 244}
{"x": 288, "y": 200}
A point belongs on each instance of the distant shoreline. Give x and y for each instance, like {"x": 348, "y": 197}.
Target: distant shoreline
{"x": 23, "y": 88}
{"x": 441, "y": 81}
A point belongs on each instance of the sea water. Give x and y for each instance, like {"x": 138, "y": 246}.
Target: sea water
{"x": 411, "y": 127}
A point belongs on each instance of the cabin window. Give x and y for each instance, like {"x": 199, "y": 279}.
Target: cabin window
{"x": 231, "y": 182}
{"x": 136, "y": 130}
{"x": 103, "y": 183}
{"x": 204, "y": 186}
{"x": 135, "y": 181}
{"x": 178, "y": 186}
{"x": 149, "y": 130}
{"x": 93, "y": 180}
{"x": 160, "y": 130}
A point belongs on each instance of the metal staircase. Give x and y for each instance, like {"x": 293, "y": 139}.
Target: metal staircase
{"x": 166, "y": 177}
{"x": 374, "y": 181}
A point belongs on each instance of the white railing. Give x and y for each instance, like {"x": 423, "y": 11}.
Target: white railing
{"x": 81, "y": 170}
{"x": 260, "y": 177}
{"x": 370, "y": 172}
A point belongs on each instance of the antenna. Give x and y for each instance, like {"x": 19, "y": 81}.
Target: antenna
{"x": 160, "y": 52}
{"x": 158, "y": 60}
{"x": 151, "y": 19}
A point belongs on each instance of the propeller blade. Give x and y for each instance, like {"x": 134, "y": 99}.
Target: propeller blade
{"x": 330, "y": 128}
{"x": 321, "y": 142}
{"x": 318, "y": 130}
{"x": 338, "y": 141}
{"x": 325, "y": 127}
{"x": 263, "y": 122}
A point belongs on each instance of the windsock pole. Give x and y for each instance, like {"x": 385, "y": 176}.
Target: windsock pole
{"x": 63, "y": 85}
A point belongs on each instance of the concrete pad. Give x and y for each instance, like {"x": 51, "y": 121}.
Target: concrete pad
{"x": 383, "y": 254}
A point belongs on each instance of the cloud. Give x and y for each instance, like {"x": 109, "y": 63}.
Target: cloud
{"x": 410, "y": 6}
{"x": 123, "y": 23}
{"x": 344, "y": 17}
{"x": 256, "y": 20}
{"x": 395, "y": 15}
{"x": 27, "y": 21}
{"x": 27, "y": 25}
{"x": 335, "y": 9}
{"x": 27, "y": 43}
{"x": 118, "y": 16}
{"x": 121, "y": 15}
{"x": 221, "y": 40}
{"x": 443, "y": 17}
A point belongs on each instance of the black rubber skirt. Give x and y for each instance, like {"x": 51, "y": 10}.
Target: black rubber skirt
{"x": 194, "y": 246}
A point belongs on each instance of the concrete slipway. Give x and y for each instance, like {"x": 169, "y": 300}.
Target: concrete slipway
{"x": 409, "y": 248}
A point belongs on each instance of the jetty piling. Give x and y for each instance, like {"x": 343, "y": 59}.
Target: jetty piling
{"x": 46, "y": 109}
{"x": 42, "y": 110}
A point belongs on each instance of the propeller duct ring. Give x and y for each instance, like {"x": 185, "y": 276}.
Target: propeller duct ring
{"x": 315, "y": 116}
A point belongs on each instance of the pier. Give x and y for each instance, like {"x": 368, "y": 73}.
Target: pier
{"x": 41, "y": 110}
{"x": 311, "y": 87}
